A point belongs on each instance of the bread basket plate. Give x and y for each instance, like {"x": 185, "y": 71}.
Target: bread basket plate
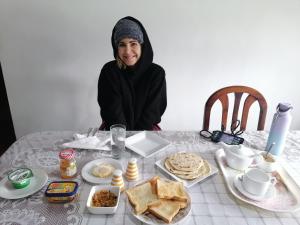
{"x": 87, "y": 175}
{"x": 148, "y": 218}
{"x": 187, "y": 183}
{"x": 146, "y": 143}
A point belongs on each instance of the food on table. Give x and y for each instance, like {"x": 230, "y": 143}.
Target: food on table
{"x": 167, "y": 209}
{"x": 61, "y": 191}
{"x": 104, "y": 198}
{"x": 20, "y": 178}
{"x": 186, "y": 165}
{"x": 159, "y": 197}
{"x": 171, "y": 190}
{"x": 68, "y": 167}
{"x": 103, "y": 170}
{"x": 132, "y": 172}
{"x": 117, "y": 180}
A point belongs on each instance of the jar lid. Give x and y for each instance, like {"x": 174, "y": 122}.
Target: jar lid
{"x": 67, "y": 154}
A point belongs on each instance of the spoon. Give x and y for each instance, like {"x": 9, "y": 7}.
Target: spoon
{"x": 270, "y": 148}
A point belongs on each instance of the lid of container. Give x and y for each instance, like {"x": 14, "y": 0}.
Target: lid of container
{"x": 67, "y": 154}
{"x": 20, "y": 174}
{"x": 284, "y": 107}
{"x": 61, "y": 189}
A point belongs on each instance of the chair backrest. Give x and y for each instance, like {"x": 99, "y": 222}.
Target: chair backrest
{"x": 238, "y": 91}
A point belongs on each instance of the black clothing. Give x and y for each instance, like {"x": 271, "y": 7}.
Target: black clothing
{"x": 135, "y": 96}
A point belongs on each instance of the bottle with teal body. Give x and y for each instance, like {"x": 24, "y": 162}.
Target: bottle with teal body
{"x": 279, "y": 128}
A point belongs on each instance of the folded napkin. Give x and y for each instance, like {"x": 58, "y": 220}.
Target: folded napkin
{"x": 84, "y": 142}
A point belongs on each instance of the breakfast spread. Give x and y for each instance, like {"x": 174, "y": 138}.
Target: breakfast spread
{"x": 20, "y": 178}
{"x": 132, "y": 172}
{"x": 159, "y": 197}
{"x": 61, "y": 191}
{"x": 68, "y": 167}
{"x": 103, "y": 170}
{"x": 187, "y": 166}
{"x": 104, "y": 198}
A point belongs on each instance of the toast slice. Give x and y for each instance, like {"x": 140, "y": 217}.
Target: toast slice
{"x": 166, "y": 210}
{"x": 141, "y": 197}
{"x": 171, "y": 190}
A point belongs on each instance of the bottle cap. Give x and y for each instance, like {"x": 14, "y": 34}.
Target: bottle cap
{"x": 117, "y": 173}
{"x": 132, "y": 160}
{"x": 67, "y": 154}
{"x": 284, "y": 107}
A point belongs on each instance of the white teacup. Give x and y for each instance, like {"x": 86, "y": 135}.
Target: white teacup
{"x": 257, "y": 182}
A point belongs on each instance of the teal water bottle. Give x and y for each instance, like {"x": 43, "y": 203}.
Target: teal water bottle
{"x": 279, "y": 128}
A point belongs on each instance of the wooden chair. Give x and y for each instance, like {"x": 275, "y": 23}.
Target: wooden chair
{"x": 222, "y": 95}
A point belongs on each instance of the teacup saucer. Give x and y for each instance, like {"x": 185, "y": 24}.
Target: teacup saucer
{"x": 238, "y": 184}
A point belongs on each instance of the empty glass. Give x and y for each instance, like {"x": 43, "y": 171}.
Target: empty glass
{"x": 117, "y": 140}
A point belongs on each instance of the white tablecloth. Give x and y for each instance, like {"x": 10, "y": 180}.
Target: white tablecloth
{"x": 212, "y": 203}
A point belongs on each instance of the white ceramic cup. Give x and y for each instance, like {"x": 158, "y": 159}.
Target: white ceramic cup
{"x": 268, "y": 164}
{"x": 257, "y": 182}
{"x": 117, "y": 140}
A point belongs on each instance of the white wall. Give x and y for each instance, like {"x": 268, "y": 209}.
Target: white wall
{"x": 52, "y": 52}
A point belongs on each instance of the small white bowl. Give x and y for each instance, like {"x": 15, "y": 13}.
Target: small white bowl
{"x": 269, "y": 165}
{"x": 103, "y": 210}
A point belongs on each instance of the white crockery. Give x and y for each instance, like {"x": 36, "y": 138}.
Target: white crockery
{"x": 103, "y": 210}
{"x": 238, "y": 157}
{"x": 269, "y": 165}
{"x": 257, "y": 182}
{"x": 271, "y": 192}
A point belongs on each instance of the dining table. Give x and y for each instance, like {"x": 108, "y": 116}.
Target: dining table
{"x": 211, "y": 200}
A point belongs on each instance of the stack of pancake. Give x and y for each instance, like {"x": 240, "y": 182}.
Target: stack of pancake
{"x": 186, "y": 165}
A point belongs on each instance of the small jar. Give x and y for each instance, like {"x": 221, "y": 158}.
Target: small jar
{"x": 68, "y": 168}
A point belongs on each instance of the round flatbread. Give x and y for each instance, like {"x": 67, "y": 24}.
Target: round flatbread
{"x": 103, "y": 170}
{"x": 184, "y": 161}
{"x": 204, "y": 170}
{"x": 174, "y": 171}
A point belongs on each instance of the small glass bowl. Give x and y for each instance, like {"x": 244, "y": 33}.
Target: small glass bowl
{"x": 20, "y": 178}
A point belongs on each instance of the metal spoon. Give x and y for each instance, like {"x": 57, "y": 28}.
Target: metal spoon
{"x": 271, "y": 146}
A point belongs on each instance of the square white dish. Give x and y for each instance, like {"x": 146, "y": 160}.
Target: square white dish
{"x": 187, "y": 183}
{"x": 146, "y": 143}
{"x": 103, "y": 210}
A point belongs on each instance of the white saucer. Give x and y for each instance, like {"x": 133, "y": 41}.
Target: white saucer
{"x": 86, "y": 171}
{"x": 37, "y": 182}
{"x": 238, "y": 184}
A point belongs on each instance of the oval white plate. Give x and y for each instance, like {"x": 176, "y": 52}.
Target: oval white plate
{"x": 37, "y": 182}
{"x": 86, "y": 171}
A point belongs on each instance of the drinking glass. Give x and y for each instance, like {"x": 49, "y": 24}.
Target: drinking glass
{"x": 117, "y": 140}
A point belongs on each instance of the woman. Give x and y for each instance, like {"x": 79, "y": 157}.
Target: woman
{"x": 131, "y": 88}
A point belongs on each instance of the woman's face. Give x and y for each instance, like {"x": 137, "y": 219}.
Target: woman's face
{"x": 129, "y": 51}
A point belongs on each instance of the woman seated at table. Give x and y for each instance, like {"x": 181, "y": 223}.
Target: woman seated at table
{"x": 131, "y": 88}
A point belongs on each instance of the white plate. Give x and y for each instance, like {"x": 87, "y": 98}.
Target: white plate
{"x": 89, "y": 143}
{"x": 86, "y": 171}
{"x": 187, "y": 183}
{"x": 152, "y": 220}
{"x": 286, "y": 199}
{"x": 238, "y": 184}
{"x": 37, "y": 182}
{"x": 146, "y": 143}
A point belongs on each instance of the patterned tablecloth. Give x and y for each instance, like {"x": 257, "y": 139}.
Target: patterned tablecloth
{"x": 212, "y": 203}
